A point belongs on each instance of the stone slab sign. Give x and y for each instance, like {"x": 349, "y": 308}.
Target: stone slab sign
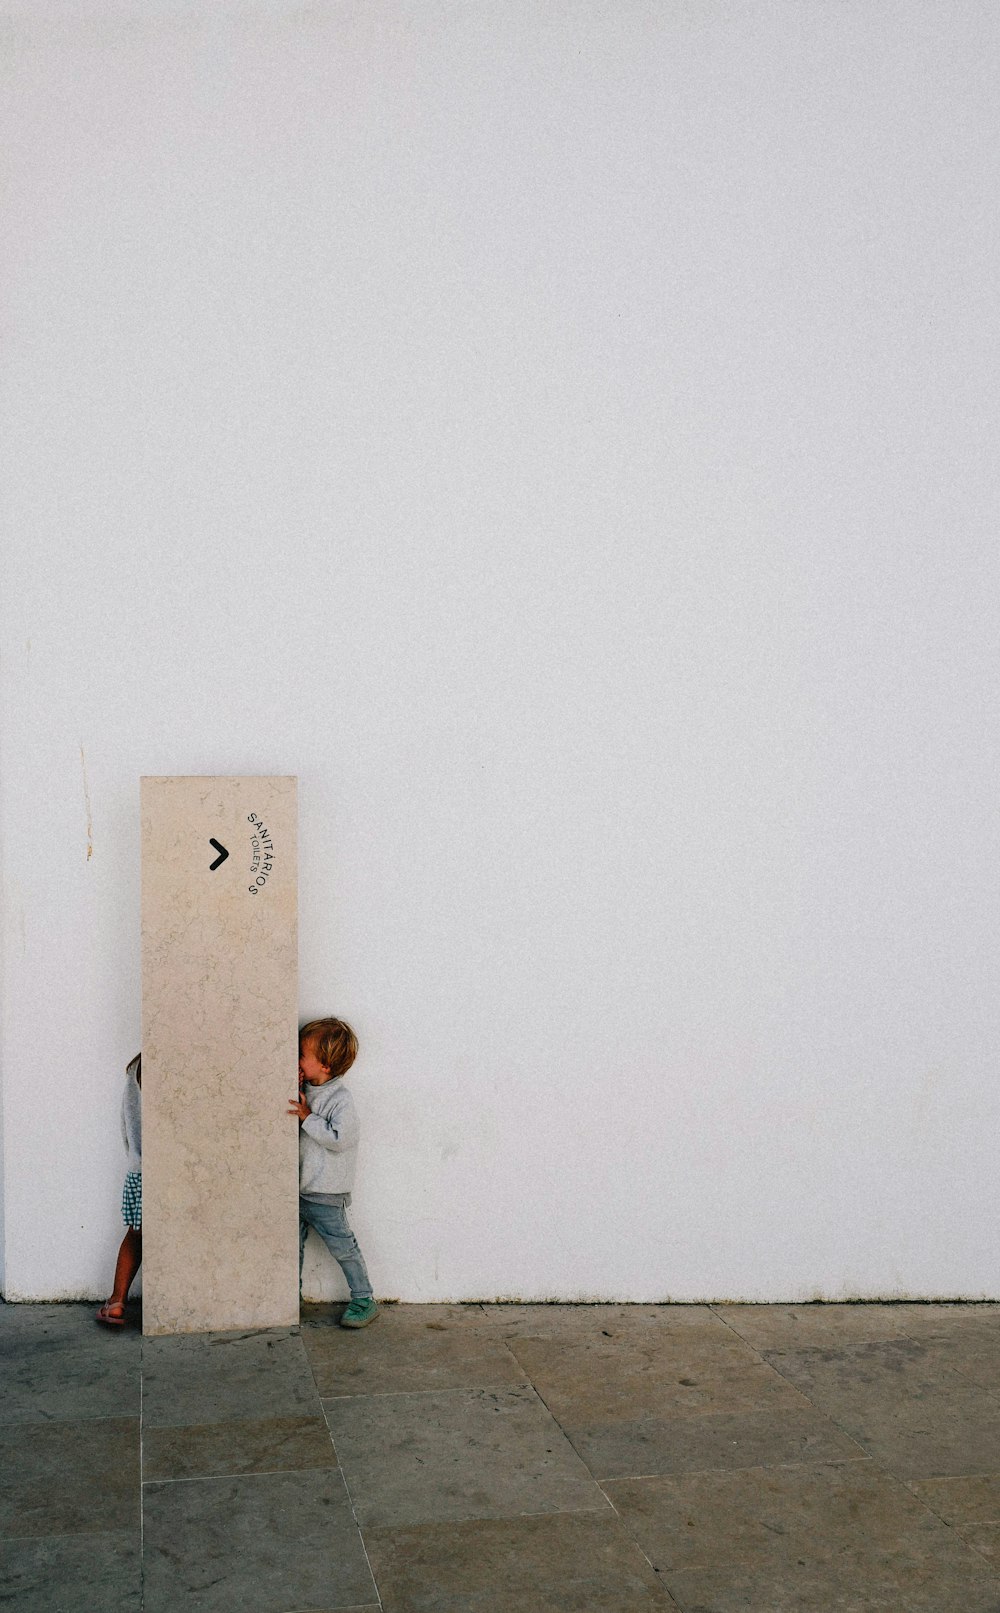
{"x": 219, "y": 1054}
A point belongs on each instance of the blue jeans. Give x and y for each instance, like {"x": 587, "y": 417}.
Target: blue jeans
{"x": 330, "y": 1221}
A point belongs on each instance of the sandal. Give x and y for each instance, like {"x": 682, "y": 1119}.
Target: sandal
{"x": 107, "y": 1316}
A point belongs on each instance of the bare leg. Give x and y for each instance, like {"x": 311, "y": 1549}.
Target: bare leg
{"x": 129, "y": 1260}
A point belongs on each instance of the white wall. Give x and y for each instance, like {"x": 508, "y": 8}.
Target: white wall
{"x": 565, "y": 436}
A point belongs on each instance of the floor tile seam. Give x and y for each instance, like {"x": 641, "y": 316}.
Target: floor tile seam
{"x": 844, "y": 1343}
{"x": 347, "y": 1487}
{"x": 57, "y": 1422}
{"x": 665, "y": 1578}
{"x": 409, "y": 1394}
{"x": 736, "y": 1332}
{"x": 946, "y": 1478}
{"x": 680, "y": 1420}
{"x": 461, "y": 1358}
{"x": 749, "y": 1467}
{"x": 508, "y": 1346}
{"x": 881, "y": 1466}
{"x": 950, "y": 1378}
{"x": 928, "y": 1337}
{"x": 762, "y": 1358}
{"x": 804, "y": 1395}
{"x": 984, "y": 1388}
{"x": 496, "y": 1517}
{"x": 254, "y": 1473}
{"x": 906, "y": 1482}
{"x": 230, "y": 1422}
{"x": 845, "y": 1347}
{"x": 835, "y": 1423}
{"x": 640, "y": 1548}
{"x": 75, "y": 1534}
{"x": 766, "y": 1467}
{"x": 567, "y": 1437}
{"x": 988, "y": 1562}
{"x": 361, "y": 1537}
{"x": 953, "y": 1527}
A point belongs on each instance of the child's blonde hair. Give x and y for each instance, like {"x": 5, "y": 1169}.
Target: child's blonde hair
{"x": 336, "y": 1044}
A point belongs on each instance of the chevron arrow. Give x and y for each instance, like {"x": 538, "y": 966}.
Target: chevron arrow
{"x": 223, "y": 854}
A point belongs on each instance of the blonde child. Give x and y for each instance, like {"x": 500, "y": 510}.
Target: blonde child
{"x": 112, "y": 1312}
{"x": 328, "y": 1148}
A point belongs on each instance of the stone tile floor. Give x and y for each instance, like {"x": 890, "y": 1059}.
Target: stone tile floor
{"x": 506, "y": 1459}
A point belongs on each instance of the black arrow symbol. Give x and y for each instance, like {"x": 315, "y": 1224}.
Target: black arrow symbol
{"x": 223, "y": 854}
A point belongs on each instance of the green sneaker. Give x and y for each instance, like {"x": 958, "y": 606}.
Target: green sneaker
{"x": 359, "y": 1313}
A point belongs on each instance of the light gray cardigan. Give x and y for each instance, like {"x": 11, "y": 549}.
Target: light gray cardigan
{"x": 328, "y": 1139}
{"x": 132, "y": 1116}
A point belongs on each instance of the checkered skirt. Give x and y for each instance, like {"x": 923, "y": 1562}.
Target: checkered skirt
{"x": 132, "y": 1200}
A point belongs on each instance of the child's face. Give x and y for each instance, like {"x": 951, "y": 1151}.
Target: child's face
{"x": 310, "y": 1069}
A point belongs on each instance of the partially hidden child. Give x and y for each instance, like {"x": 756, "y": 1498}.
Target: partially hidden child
{"x": 328, "y": 1151}
{"x": 112, "y": 1312}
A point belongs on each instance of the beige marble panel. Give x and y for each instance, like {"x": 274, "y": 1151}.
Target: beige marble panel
{"x": 219, "y": 1054}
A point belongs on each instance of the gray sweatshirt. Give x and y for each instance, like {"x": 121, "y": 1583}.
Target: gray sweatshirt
{"x": 328, "y": 1141}
{"x": 132, "y": 1117}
